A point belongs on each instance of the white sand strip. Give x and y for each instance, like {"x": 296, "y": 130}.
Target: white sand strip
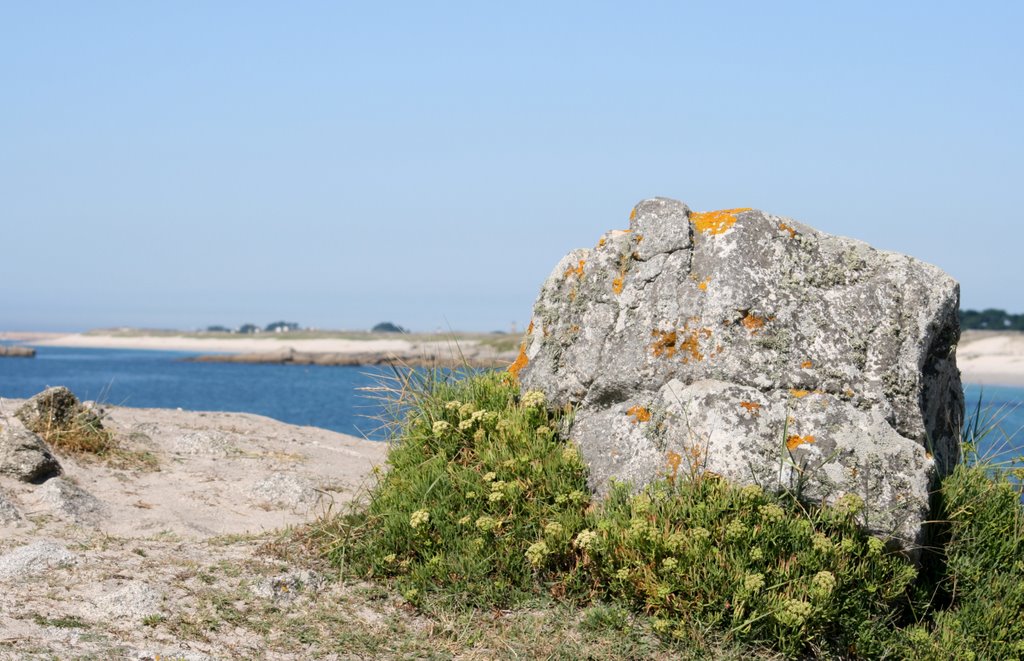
{"x": 225, "y": 345}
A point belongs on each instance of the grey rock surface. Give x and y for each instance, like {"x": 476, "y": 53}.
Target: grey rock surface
{"x": 70, "y": 501}
{"x": 55, "y": 410}
{"x": 34, "y": 558}
{"x": 284, "y": 490}
{"x": 16, "y": 351}
{"x": 755, "y": 347}
{"x": 23, "y": 455}
{"x": 133, "y": 600}
{"x": 287, "y": 587}
{"x": 203, "y": 443}
{"x": 9, "y": 513}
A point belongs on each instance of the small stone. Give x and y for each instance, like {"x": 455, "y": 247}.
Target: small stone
{"x": 56, "y": 409}
{"x": 70, "y": 500}
{"x": 202, "y": 443}
{"x": 23, "y": 455}
{"x": 34, "y": 559}
{"x": 133, "y": 600}
{"x": 285, "y": 490}
{"x": 287, "y": 587}
{"x": 9, "y": 514}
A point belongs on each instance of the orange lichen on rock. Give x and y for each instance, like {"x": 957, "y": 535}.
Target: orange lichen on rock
{"x": 690, "y": 346}
{"x": 639, "y": 414}
{"x": 753, "y": 408}
{"x": 632, "y": 214}
{"x": 618, "y": 282}
{"x": 806, "y": 365}
{"x": 715, "y": 222}
{"x": 703, "y": 284}
{"x": 601, "y": 242}
{"x": 799, "y": 394}
{"x": 577, "y": 270}
{"x": 521, "y": 360}
{"x": 786, "y": 228}
{"x": 664, "y": 344}
{"x": 752, "y": 322}
{"x": 794, "y": 441}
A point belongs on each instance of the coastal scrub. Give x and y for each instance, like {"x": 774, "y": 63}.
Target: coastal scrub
{"x": 484, "y": 505}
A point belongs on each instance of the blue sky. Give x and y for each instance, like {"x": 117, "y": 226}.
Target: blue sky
{"x": 178, "y": 164}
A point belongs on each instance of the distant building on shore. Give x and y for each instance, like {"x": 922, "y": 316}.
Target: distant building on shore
{"x": 282, "y": 327}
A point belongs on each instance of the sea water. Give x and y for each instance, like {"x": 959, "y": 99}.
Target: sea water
{"x": 329, "y": 397}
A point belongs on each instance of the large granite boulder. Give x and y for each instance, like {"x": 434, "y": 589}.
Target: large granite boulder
{"x": 23, "y": 455}
{"x": 755, "y": 347}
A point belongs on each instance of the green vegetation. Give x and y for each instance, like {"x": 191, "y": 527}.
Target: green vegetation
{"x": 484, "y": 507}
{"x": 991, "y": 319}
{"x": 69, "y": 622}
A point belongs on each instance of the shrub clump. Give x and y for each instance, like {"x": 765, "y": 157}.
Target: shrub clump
{"x": 479, "y": 499}
{"x": 763, "y": 569}
{"x": 983, "y": 582}
{"x": 483, "y": 505}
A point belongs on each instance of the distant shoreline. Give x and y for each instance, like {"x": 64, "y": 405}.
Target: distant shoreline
{"x": 286, "y": 348}
{"x": 993, "y": 358}
{"x": 240, "y": 344}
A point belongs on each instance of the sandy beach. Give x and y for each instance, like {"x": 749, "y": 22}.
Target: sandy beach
{"x": 984, "y": 357}
{"x": 218, "y": 345}
{"x": 992, "y": 358}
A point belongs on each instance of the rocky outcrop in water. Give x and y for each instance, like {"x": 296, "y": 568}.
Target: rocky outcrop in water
{"x": 16, "y": 351}
{"x": 447, "y": 357}
{"x": 755, "y": 347}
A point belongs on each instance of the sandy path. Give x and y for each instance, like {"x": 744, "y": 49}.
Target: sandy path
{"x": 90, "y": 556}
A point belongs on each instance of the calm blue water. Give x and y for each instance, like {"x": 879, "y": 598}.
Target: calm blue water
{"x": 325, "y": 397}
{"x": 319, "y": 396}
{"x": 1003, "y": 411}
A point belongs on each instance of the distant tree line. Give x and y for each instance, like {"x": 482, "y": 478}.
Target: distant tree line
{"x": 990, "y": 319}
{"x": 387, "y": 327}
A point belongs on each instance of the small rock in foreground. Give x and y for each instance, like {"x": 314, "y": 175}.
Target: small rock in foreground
{"x": 8, "y": 512}
{"x": 283, "y": 489}
{"x": 133, "y": 600}
{"x": 70, "y": 500}
{"x": 56, "y": 409}
{"x": 34, "y": 559}
{"x": 23, "y": 455}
